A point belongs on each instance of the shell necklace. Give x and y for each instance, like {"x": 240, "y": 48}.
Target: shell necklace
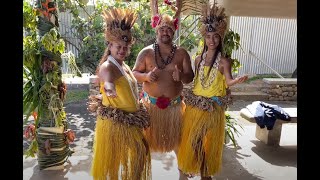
{"x": 133, "y": 83}
{"x": 206, "y": 82}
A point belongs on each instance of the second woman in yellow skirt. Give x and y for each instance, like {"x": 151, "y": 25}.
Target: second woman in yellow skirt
{"x": 203, "y": 130}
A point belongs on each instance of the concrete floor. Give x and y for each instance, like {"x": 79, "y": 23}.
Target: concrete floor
{"x": 251, "y": 160}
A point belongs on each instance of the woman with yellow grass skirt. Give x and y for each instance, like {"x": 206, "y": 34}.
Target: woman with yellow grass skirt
{"x": 119, "y": 146}
{"x": 120, "y": 150}
{"x": 203, "y": 128}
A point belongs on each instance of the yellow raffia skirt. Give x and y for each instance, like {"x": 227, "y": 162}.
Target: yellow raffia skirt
{"x": 164, "y": 133}
{"x": 120, "y": 152}
{"x": 202, "y": 142}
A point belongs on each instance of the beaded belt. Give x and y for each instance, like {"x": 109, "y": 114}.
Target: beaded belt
{"x": 161, "y": 102}
{"x": 205, "y": 103}
{"x": 138, "y": 118}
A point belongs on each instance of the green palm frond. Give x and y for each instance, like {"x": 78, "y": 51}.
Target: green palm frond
{"x": 232, "y": 128}
{"x": 72, "y": 65}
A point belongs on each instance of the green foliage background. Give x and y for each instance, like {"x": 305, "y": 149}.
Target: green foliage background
{"x": 90, "y": 30}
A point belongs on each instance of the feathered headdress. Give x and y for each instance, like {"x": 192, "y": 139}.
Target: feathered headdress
{"x": 159, "y": 20}
{"x": 118, "y": 24}
{"x": 213, "y": 19}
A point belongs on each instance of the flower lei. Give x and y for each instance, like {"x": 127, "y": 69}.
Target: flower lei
{"x": 133, "y": 84}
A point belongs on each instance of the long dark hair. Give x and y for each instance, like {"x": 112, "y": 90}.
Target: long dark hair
{"x": 103, "y": 59}
{"x": 214, "y": 57}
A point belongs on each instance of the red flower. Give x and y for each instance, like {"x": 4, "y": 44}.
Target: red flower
{"x": 35, "y": 115}
{"x": 46, "y": 65}
{"x": 47, "y": 146}
{"x": 70, "y": 135}
{"x": 45, "y": 10}
{"x": 168, "y": 2}
{"x": 62, "y": 91}
{"x": 163, "y": 102}
{"x": 176, "y": 21}
{"x": 155, "y": 21}
{"x": 30, "y": 131}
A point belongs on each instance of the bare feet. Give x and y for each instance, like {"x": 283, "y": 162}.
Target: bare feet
{"x": 206, "y": 178}
{"x": 182, "y": 176}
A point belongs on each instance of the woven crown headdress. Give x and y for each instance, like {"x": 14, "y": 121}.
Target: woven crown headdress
{"x": 118, "y": 24}
{"x": 213, "y": 19}
{"x": 159, "y": 20}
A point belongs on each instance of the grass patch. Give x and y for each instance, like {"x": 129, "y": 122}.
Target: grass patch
{"x": 76, "y": 95}
{"x": 258, "y": 77}
{"x": 261, "y": 76}
{"x": 63, "y": 76}
{"x": 73, "y": 96}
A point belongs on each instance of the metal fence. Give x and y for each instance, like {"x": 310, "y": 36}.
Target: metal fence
{"x": 72, "y": 43}
{"x": 272, "y": 40}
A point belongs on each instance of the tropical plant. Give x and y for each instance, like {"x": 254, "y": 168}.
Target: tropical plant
{"x": 189, "y": 36}
{"x": 231, "y": 43}
{"x": 231, "y": 129}
{"x": 43, "y": 89}
{"x": 88, "y": 29}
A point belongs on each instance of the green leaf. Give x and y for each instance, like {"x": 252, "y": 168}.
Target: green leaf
{"x": 32, "y": 150}
{"x": 75, "y": 12}
{"x": 237, "y": 37}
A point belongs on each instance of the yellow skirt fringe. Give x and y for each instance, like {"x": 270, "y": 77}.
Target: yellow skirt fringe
{"x": 202, "y": 142}
{"x": 120, "y": 149}
{"x": 164, "y": 133}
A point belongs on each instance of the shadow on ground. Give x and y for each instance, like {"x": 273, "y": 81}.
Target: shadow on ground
{"x": 285, "y": 155}
{"x": 76, "y": 167}
{"x": 242, "y": 163}
{"x": 231, "y": 166}
{"x": 82, "y": 122}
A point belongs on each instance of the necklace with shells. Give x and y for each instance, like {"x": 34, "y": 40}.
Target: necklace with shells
{"x": 206, "y": 82}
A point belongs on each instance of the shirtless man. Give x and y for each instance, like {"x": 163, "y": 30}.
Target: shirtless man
{"x": 163, "y": 67}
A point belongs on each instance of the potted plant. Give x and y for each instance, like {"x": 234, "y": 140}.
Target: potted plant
{"x": 43, "y": 89}
{"x": 231, "y": 42}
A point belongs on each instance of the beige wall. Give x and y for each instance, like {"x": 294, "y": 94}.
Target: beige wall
{"x": 251, "y": 8}
{"x": 262, "y": 8}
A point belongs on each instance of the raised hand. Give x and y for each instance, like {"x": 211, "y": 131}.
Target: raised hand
{"x": 176, "y": 75}
{"x": 111, "y": 93}
{"x": 152, "y": 76}
{"x": 110, "y": 90}
{"x": 241, "y": 79}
